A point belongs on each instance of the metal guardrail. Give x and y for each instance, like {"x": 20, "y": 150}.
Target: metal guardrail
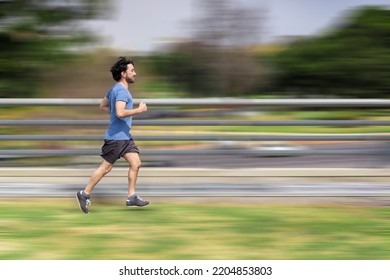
{"x": 195, "y": 152}
{"x": 207, "y": 102}
{"x": 224, "y": 137}
{"x": 212, "y": 102}
{"x": 335, "y": 123}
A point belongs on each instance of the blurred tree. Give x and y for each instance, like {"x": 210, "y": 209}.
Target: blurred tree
{"x": 224, "y": 23}
{"x": 36, "y": 34}
{"x": 351, "y": 60}
{"x": 215, "y": 61}
{"x": 186, "y": 66}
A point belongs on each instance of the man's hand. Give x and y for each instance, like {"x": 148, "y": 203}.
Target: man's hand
{"x": 105, "y": 105}
{"x": 142, "y": 107}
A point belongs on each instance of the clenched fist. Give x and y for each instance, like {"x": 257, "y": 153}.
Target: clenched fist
{"x": 142, "y": 106}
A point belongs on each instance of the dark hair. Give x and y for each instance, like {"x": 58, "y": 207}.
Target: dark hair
{"x": 119, "y": 67}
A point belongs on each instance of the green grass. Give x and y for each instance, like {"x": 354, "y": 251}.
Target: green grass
{"x": 56, "y": 229}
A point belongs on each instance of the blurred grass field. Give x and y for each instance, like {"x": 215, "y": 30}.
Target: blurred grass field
{"x": 52, "y": 229}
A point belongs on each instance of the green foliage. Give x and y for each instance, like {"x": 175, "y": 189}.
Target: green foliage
{"x": 184, "y": 66}
{"x": 204, "y": 70}
{"x": 352, "y": 60}
{"x": 35, "y": 36}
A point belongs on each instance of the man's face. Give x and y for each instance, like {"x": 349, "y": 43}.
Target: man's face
{"x": 130, "y": 73}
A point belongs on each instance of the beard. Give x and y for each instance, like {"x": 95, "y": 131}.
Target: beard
{"x": 129, "y": 80}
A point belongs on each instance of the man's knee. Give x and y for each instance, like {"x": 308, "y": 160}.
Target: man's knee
{"x": 108, "y": 169}
{"x": 135, "y": 164}
{"x": 134, "y": 160}
{"x": 105, "y": 168}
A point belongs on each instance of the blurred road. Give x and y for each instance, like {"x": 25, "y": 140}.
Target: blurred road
{"x": 233, "y": 176}
{"x": 379, "y": 158}
{"x": 191, "y": 182}
{"x": 193, "y": 189}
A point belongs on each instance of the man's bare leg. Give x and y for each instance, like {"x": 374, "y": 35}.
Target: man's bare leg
{"x": 134, "y": 165}
{"x": 97, "y": 175}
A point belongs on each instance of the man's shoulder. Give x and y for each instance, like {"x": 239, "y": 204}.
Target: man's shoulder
{"x": 118, "y": 90}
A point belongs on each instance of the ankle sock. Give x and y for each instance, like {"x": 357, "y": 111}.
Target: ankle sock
{"x": 86, "y": 196}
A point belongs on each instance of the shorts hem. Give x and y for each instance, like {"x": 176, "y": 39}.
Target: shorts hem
{"x": 112, "y": 150}
{"x": 108, "y": 160}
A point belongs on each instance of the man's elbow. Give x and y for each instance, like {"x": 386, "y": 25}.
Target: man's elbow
{"x": 120, "y": 114}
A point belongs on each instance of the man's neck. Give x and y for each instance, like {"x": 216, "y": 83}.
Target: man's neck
{"x": 124, "y": 83}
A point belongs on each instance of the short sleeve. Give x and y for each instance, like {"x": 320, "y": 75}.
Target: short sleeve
{"x": 122, "y": 95}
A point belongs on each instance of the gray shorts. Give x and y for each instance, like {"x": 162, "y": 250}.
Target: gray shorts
{"x": 113, "y": 150}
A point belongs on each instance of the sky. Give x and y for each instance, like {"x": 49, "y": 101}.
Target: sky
{"x": 146, "y": 25}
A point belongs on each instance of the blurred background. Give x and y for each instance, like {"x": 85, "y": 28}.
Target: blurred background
{"x": 200, "y": 49}
{"x": 247, "y": 99}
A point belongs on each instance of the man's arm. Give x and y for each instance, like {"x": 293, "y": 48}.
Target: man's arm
{"x": 122, "y": 112}
{"x": 105, "y": 105}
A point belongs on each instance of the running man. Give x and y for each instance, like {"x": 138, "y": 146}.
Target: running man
{"x": 118, "y": 141}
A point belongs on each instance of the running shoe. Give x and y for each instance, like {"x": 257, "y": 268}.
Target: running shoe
{"x": 136, "y": 201}
{"x": 83, "y": 201}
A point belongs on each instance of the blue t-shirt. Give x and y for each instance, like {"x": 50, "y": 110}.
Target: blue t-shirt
{"x": 119, "y": 128}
